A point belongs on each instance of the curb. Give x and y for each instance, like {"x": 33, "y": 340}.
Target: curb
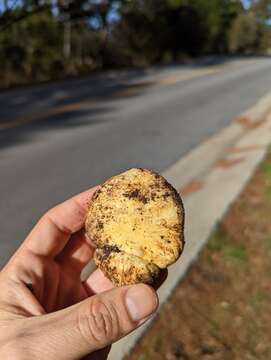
{"x": 222, "y": 166}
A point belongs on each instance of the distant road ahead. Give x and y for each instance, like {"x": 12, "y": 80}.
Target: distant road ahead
{"x": 59, "y": 139}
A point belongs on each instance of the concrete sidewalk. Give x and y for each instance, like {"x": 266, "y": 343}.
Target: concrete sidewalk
{"x": 209, "y": 179}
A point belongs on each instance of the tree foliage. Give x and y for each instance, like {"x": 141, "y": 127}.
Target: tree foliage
{"x": 46, "y": 39}
{"x": 244, "y": 33}
{"x": 262, "y": 9}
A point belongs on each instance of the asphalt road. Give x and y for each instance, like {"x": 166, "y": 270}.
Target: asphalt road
{"x": 59, "y": 139}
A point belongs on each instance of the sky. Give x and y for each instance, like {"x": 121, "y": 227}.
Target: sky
{"x": 246, "y": 3}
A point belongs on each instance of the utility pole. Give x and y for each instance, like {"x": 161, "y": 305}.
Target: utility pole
{"x": 67, "y": 32}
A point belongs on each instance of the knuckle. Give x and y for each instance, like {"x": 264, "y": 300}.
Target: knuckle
{"x": 100, "y": 325}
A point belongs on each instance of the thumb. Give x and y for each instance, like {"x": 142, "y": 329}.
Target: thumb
{"x": 95, "y": 322}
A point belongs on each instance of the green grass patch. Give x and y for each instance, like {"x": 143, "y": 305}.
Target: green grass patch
{"x": 267, "y": 171}
{"x": 259, "y": 299}
{"x": 233, "y": 251}
{"x": 267, "y": 177}
{"x": 143, "y": 357}
{"x": 267, "y": 245}
{"x": 219, "y": 242}
{"x": 216, "y": 240}
{"x": 268, "y": 192}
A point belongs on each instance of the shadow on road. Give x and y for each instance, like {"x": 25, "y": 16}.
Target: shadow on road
{"x": 26, "y": 113}
{"x": 30, "y": 111}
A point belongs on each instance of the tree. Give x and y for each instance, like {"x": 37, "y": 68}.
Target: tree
{"x": 244, "y": 34}
{"x": 20, "y": 10}
{"x": 42, "y": 39}
{"x": 31, "y": 47}
{"x": 94, "y": 13}
{"x": 262, "y": 9}
{"x": 150, "y": 29}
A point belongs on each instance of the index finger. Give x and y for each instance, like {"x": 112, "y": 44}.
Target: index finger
{"x": 53, "y": 230}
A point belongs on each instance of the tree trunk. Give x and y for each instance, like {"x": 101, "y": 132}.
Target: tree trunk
{"x": 67, "y": 39}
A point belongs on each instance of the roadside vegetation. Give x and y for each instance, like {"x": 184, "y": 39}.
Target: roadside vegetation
{"x": 222, "y": 310}
{"x": 43, "y": 39}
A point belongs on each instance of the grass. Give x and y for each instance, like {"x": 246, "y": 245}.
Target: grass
{"x": 220, "y": 243}
{"x": 222, "y": 309}
{"x": 267, "y": 245}
{"x": 267, "y": 176}
{"x": 259, "y": 299}
{"x": 267, "y": 170}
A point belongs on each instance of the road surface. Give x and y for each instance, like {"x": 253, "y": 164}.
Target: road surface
{"x": 59, "y": 139}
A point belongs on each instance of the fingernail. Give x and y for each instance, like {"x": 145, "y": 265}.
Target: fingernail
{"x": 141, "y": 301}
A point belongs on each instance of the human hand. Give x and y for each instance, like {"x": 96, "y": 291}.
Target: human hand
{"x": 46, "y": 311}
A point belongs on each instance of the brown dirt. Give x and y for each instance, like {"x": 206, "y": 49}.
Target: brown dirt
{"x": 191, "y": 187}
{"x": 228, "y": 163}
{"x": 241, "y": 149}
{"x": 249, "y": 124}
{"x": 222, "y": 310}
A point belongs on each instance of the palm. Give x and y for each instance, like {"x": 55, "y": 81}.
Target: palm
{"x": 44, "y": 277}
{"x": 58, "y": 286}
{"x": 51, "y": 259}
{"x": 49, "y": 275}
{"x": 62, "y": 287}
{"x": 55, "y": 282}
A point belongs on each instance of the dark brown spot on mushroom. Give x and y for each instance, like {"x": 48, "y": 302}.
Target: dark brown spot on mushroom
{"x": 166, "y": 195}
{"x": 106, "y": 251}
{"x": 100, "y": 225}
{"x": 135, "y": 194}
